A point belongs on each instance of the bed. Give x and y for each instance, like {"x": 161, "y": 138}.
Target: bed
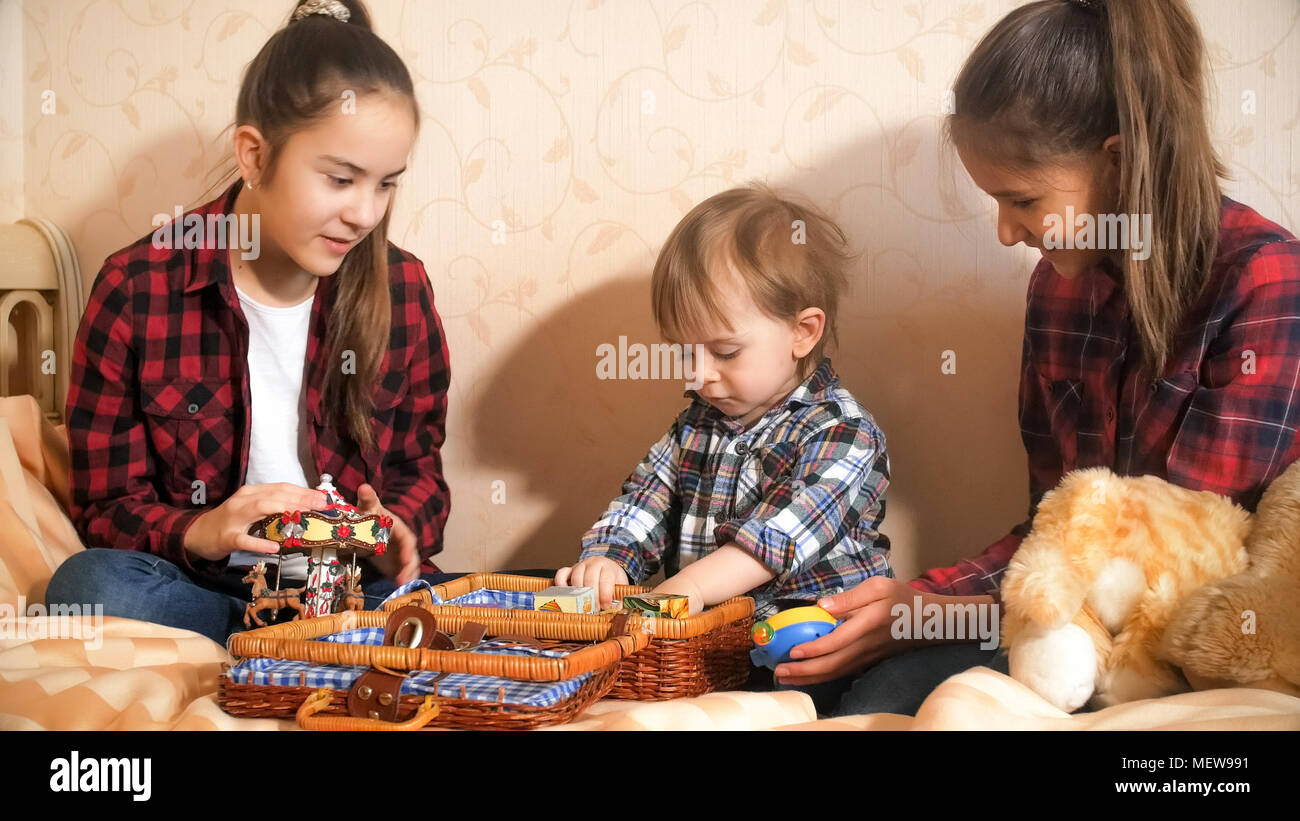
{"x": 58, "y": 672}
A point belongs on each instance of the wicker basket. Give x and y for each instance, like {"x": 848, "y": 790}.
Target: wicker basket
{"x": 686, "y": 657}
{"x": 593, "y": 650}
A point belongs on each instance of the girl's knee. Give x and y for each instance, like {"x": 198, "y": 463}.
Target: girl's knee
{"x": 104, "y": 575}
{"x": 894, "y": 673}
{"x": 899, "y": 684}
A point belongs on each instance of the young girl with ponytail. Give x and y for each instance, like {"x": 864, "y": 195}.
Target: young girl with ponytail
{"x": 210, "y": 389}
{"x": 1177, "y": 355}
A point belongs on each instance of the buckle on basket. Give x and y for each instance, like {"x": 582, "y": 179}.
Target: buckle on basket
{"x": 376, "y": 694}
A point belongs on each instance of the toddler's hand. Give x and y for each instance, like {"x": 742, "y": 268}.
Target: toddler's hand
{"x": 597, "y": 572}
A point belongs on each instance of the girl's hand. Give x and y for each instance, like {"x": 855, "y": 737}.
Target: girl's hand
{"x": 218, "y": 532}
{"x": 401, "y": 561}
{"x": 598, "y": 572}
{"x": 860, "y": 641}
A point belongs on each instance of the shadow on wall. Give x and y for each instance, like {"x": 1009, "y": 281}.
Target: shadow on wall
{"x": 919, "y": 289}
{"x": 568, "y": 437}
{"x": 922, "y": 286}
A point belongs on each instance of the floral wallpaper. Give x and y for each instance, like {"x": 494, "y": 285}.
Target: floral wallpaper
{"x": 561, "y": 141}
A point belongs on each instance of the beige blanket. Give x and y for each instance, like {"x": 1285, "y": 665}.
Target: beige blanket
{"x": 58, "y": 673}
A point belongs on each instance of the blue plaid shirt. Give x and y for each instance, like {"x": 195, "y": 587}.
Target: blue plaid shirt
{"x": 803, "y": 490}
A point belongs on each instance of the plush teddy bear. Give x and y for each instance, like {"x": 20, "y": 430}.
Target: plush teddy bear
{"x": 1244, "y": 631}
{"x": 1088, "y": 595}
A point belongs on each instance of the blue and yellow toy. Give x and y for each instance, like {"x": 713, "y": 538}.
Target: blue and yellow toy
{"x": 778, "y": 635}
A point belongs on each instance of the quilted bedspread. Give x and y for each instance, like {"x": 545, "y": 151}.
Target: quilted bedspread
{"x": 58, "y": 673}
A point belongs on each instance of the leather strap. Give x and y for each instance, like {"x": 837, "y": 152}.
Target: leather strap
{"x": 411, "y": 626}
{"x": 527, "y": 641}
{"x": 375, "y": 695}
{"x": 442, "y": 641}
{"x": 617, "y": 626}
{"x": 471, "y": 635}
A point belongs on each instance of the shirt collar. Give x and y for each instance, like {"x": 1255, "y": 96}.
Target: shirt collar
{"x": 811, "y": 391}
{"x": 210, "y": 264}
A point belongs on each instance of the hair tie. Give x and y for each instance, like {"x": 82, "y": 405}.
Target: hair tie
{"x": 1091, "y": 6}
{"x": 333, "y": 8}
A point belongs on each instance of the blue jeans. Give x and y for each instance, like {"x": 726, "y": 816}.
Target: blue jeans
{"x": 899, "y": 684}
{"x": 146, "y": 587}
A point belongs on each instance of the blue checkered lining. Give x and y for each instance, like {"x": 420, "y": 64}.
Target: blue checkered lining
{"x": 487, "y": 597}
{"x": 482, "y": 597}
{"x": 290, "y": 673}
{"x": 410, "y": 586}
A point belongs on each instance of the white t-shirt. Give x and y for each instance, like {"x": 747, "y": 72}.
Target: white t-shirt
{"x": 279, "y": 450}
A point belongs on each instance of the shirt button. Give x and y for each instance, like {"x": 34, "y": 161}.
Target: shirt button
{"x": 742, "y": 448}
{"x": 719, "y": 517}
{"x": 193, "y": 408}
{"x": 797, "y": 486}
{"x": 1110, "y": 414}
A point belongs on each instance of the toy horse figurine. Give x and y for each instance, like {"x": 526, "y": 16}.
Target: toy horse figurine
{"x": 351, "y": 597}
{"x": 267, "y": 599}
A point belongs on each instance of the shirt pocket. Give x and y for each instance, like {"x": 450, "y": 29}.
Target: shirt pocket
{"x": 1159, "y": 426}
{"x": 391, "y": 390}
{"x": 765, "y": 474}
{"x": 192, "y": 433}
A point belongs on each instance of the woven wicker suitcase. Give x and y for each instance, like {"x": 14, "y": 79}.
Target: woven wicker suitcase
{"x": 520, "y": 673}
{"x": 685, "y": 657}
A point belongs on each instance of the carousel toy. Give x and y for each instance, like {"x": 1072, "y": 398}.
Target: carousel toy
{"x": 337, "y": 530}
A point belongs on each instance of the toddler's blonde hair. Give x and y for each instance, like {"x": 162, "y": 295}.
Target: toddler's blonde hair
{"x": 789, "y": 254}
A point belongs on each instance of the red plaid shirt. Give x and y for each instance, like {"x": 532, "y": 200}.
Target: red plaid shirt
{"x": 1223, "y": 417}
{"x": 159, "y": 398}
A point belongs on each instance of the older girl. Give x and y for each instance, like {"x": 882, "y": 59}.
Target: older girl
{"x": 210, "y": 389}
{"x": 1177, "y": 355}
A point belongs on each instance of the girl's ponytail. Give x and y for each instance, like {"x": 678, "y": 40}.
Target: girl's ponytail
{"x": 1170, "y": 168}
{"x": 1056, "y": 78}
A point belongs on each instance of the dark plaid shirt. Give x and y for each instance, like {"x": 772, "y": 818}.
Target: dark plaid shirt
{"x": 803, "y": 490}
{"x": 159, "y": 399}
{"x": 1222, "y": 417}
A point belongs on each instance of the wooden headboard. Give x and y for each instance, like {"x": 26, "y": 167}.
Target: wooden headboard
{"x": 41, "y": 301}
